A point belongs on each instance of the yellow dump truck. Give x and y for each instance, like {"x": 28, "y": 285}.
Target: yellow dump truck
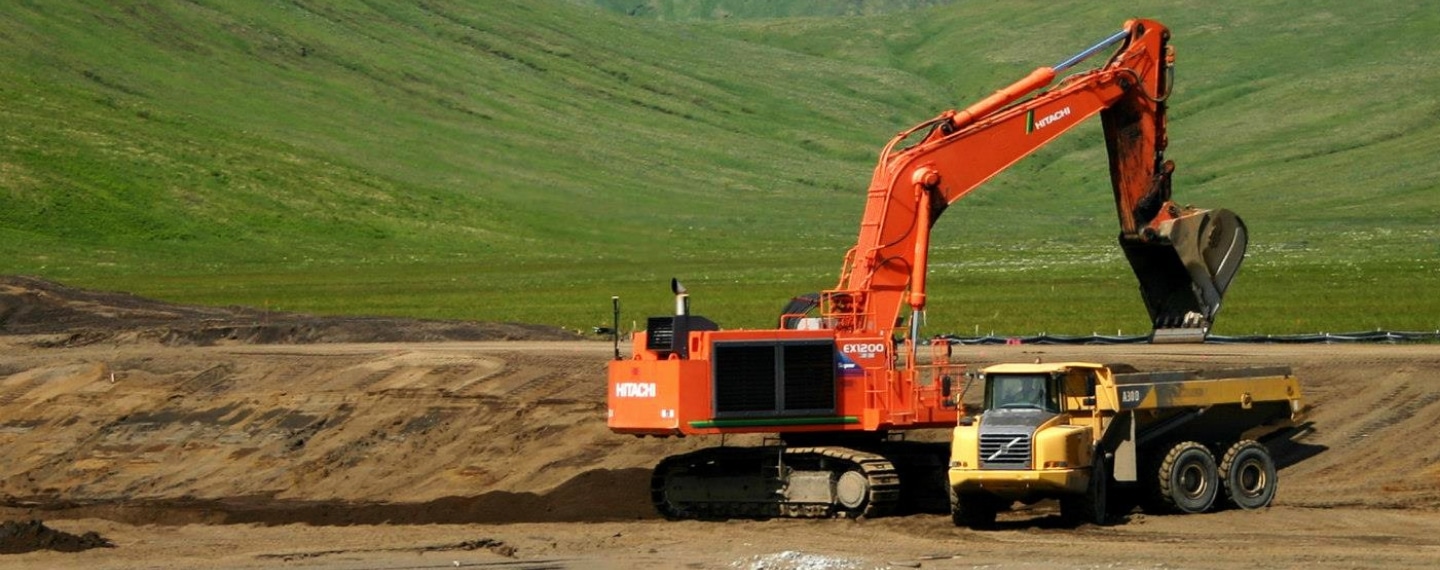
{"x": 1106, "y": 438}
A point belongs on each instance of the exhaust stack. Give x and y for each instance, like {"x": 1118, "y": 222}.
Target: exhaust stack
{"x": 682, "y": 298}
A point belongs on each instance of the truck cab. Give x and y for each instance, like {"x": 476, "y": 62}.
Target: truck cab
{"x": 1035, "y": 437}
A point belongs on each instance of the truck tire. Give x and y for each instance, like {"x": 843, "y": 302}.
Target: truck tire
{"x": 1189, "y": 481}
{"x": 973, "y": 510}
{"x": 1092, "y": 506}
{"x": 1249, "y": 475}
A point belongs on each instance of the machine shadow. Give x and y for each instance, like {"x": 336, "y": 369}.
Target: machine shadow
{"x": 1287, "y": 448}
{"x": 593, "y": 496}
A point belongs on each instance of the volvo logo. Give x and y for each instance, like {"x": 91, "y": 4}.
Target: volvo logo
{"x": 1005, "y": 448}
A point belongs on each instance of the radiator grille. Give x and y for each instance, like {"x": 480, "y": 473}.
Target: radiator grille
{"x": 1005, "y": 450}
{"x": 660, "y": 333}
{"x": 759, "y": 379}
{"x": 745, "y": 379}
{"x": 809, "y": 377}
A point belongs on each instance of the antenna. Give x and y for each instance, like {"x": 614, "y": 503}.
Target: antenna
{"x": 615, "y": 324}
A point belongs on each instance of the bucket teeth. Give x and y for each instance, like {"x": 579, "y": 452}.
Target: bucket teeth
{"x": 1178, "y": 336}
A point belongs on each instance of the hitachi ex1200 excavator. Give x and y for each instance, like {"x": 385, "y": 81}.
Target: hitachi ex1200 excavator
{"x": 839, "y": 376}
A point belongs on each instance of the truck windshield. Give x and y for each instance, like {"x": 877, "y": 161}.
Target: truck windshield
{"x": 1022, "y": 391}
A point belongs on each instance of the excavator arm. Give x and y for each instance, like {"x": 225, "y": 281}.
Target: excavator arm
{"x": 1184, "y": 258}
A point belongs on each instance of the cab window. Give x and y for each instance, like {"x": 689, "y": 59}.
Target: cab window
{"x": 1013, "y": 391}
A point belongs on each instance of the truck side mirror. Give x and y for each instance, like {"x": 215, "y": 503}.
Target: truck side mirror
{"x": 947, "y": 391}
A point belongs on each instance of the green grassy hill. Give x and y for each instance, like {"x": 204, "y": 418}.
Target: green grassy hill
{"x": 524, "y": 160}
{"x": 694, "y": 10}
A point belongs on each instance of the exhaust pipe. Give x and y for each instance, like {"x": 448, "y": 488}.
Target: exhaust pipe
{"x": 682, "y": 298}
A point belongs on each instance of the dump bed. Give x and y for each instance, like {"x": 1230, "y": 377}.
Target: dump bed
{"x": 1204, "y": 388}
{"x": 1208, "y": 405}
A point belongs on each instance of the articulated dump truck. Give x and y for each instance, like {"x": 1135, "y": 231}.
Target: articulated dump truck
{"x": 1103, "y": 439}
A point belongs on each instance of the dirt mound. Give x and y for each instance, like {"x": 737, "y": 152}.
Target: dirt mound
{"x": 316, "y": 434}
{"x": 322, "y": 451}
{"x": 75, "y": 317}
{"x": 19, "y": 537}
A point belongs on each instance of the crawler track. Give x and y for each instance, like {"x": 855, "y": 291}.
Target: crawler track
{"x": 774, "y": 481}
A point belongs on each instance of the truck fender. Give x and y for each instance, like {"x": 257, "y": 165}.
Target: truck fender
{"x": 1119, "y": 443}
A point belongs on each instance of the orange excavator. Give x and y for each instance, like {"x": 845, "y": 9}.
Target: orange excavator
{"x": 839, "y": 379}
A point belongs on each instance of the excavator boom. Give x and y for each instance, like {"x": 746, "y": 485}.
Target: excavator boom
{"x": 1184, "y": 258}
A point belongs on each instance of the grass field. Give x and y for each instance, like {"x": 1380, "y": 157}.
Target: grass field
{"x": 525, "y": 160}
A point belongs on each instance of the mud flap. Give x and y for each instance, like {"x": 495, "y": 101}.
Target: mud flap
{"x": 1184, "y": 265}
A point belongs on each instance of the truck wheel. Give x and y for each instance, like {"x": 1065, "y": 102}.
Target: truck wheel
{"x": 1189, "y": 481}
{"x": 973, "y": 510}
{"x": 1249, "y": 474}
{"x": 1090, "y": 506}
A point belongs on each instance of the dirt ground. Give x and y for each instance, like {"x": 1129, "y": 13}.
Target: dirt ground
{"x": 233, "y": 438}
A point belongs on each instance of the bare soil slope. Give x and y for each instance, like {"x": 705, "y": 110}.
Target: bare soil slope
{"x": 73, "y": 317}
{"x": 131, "y": 414}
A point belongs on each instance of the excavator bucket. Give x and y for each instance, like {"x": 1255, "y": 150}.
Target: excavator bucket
{"x": 1184, "y": 267}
